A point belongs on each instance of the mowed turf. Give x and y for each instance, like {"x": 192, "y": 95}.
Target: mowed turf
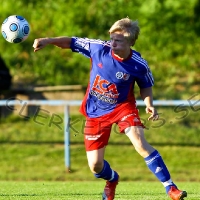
{"x": 89, "y": 190}
{"x": 32, "y": 159}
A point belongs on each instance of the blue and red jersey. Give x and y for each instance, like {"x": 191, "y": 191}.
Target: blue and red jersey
{"x": 112, "y": 80}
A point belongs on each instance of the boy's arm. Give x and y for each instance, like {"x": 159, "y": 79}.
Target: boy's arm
{"x": 62, "y": 42}
{"x": 147, "y": 96}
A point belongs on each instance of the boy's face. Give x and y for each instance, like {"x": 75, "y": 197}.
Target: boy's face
{"x": 119, "y": 44}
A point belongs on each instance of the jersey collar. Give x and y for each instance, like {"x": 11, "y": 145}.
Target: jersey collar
{"x": 121, "y": 59}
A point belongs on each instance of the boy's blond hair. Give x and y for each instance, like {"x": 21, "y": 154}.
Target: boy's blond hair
{"x": 129, "y": 28}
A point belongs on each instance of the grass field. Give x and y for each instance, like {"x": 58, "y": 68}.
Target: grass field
{"x": 32, "y": 150}
{"x": 32, "y": 159}
{"x": 43, "y": 190}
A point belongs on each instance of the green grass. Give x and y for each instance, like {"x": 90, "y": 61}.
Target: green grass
{"x": 32, "y": 151}
{"x": 46, "y": 162}
{"x": 89, "y": 190}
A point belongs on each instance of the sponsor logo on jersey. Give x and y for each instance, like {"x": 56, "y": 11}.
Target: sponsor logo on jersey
{"x": 104, "y": 90}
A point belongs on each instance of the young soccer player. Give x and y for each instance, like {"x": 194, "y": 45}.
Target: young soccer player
{"x": 115, "y": 68}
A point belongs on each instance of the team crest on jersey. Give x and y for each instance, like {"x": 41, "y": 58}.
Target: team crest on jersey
{"x": 121, "y": 75}
{"x": 126, "y": 76}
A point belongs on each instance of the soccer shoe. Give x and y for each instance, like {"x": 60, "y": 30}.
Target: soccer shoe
{"x": 109, "y": 190}
{"x": 176, "y": 194}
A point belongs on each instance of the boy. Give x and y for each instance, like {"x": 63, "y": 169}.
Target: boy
{"x": 115, "y": 68}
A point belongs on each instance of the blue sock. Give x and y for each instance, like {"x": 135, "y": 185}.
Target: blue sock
{"x": 107, "y": 173}
{"x": 155, "y": 163}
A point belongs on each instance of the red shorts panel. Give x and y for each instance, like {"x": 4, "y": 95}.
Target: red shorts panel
{"x": 97, "y": 130}
{"x": 96, "y": 133}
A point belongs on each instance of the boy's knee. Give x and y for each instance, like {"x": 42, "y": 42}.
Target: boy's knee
{"x": 96, "y": 167}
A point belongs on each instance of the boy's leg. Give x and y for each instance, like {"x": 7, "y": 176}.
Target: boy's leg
{"x": 96, "y": 139}
{"x": 154, "y": 161}
{"x": 102, "y": 169}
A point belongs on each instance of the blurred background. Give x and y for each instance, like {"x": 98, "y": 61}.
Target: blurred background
{"x": 169, "y": 41}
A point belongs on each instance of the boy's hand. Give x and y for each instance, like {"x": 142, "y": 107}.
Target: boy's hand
{"x": 154, "y": 115}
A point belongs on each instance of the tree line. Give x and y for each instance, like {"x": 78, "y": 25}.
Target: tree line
{"x": 169, "y": 40}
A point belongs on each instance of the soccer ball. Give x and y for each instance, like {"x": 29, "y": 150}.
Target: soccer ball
{"x": 15, "y": 29}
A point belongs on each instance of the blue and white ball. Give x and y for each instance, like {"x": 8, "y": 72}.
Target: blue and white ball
{"x": 15, "y": 29}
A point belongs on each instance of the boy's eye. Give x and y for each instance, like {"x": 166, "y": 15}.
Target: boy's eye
{"x": 115, "y": 40}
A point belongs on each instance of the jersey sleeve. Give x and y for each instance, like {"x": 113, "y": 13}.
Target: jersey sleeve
{"x": 145, "y": 79}
{"x": 143, "y": 75}
{"x": 86, "y": 46}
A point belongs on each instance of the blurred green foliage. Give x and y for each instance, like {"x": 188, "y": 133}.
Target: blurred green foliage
{"x": 169, "y": 40}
